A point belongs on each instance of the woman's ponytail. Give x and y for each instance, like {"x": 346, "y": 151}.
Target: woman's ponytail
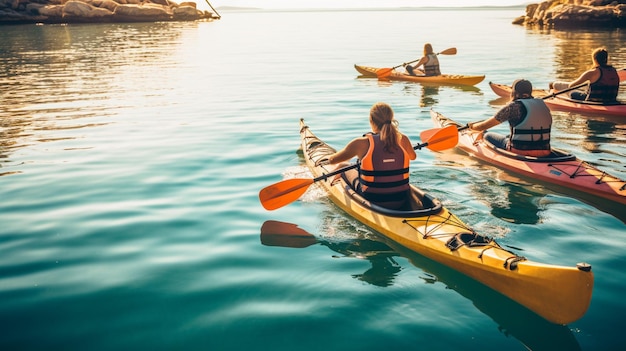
{"x": 381, "y": 115}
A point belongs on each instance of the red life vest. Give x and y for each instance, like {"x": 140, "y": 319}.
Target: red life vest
{"x": 605, "y": 89}
{"x": 384, "y": 175}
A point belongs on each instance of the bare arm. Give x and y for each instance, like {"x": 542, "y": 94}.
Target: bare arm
{"x": 591, "y": 76}
{"x": 356, "y": 148}
{"x": 484, "y": 125}
{"x": 422, "y": 61}
{"x": 406, "y": 145}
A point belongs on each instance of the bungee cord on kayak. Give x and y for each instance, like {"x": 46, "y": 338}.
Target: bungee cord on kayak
{"x": 456, "y": 239}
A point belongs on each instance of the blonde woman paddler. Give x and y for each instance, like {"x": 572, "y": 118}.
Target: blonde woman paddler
{"x": 384, "y": 155}
{"x": 429, "y": 61}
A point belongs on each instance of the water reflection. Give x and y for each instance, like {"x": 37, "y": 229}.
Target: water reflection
{"x": 574, "y": 48}
{"x": 428, "y": 95}
{"x": 534, "y": 332}
{"x": 384, "y": 268}
{"x": 427, "y": 92}
{"x": 596, "y": 133}
{"x": 510, "y": 202}
{"x": 55, "y": 75}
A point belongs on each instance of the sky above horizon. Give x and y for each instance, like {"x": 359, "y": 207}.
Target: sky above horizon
{"x": 289, "y": 4}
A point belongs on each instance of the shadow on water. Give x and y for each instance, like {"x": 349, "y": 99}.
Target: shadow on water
{"x": 384, "y": 267}
{"x": 534, "y": 332}
{"x": 521, "y": 204}
{"x": 510, "y": 202}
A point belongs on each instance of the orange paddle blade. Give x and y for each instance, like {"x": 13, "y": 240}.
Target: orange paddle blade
{"x": 450, "y": 51}
{"x": 383, "y": 72}
{"x": 443, "y": 139}
{"x": 428, "y": 133}
{"x": 283, "y": 193}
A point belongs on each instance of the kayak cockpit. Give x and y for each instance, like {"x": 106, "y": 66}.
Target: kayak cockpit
{"x": 417, "y": 204}
{"x": 556, "y": 155}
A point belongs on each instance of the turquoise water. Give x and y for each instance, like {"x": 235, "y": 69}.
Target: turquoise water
{"x": 132, "y": 155}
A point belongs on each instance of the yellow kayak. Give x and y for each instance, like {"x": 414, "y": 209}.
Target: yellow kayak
{"x": 559, "y": 294}
{"x": 459, "y": 79}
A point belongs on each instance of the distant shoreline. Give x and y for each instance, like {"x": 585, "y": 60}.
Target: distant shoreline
{"x": 426, "y": 8}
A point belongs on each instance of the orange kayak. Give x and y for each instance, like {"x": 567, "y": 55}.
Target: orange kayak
{"x": 563, "y": 103}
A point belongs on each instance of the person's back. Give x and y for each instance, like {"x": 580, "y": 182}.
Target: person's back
{"x": 531, "y": 135}
{"x": 429, "y": 61}
{"x": 603, "y": 80}
{"x": 384, "y": 174}
{"x": 384, "y": 156}
{"x": 530, "y": 122}
{"x": 606, "y": 88}
{"x": 431, "y": 67}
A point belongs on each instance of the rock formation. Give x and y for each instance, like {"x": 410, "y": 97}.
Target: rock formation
{"x": 576, "y": 14}
{"x": 77, "y": 11}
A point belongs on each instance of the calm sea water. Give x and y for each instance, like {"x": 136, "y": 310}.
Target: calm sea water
{"x": 132, "y": 155}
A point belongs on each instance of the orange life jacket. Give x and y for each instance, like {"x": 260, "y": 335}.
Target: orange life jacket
{"x": 384, "y": 175}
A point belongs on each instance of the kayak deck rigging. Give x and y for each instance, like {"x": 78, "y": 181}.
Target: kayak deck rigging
{"x": 467, "y": 237}
{"x": 558, "y": 162}
{"x": 583, "y": 171}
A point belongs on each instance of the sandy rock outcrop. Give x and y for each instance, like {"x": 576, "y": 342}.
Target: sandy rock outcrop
{"x": 74, "y": 8}
{"x": 132, "y": 12}
{"x": 575, "y": 14}
{"x": 77, "y": 11}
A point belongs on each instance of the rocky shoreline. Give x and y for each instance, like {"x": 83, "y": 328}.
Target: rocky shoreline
{"x": 551, "y": 13}
{"x": 566, "y": 14}
{"x": 98, "y": 11}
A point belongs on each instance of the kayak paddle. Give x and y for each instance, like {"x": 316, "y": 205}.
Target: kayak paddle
{"x": 382, "y": 73}
{"x": 289, "y": 190}
{"x": 565, "y": 90}
{"x": 430, "y": 132}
